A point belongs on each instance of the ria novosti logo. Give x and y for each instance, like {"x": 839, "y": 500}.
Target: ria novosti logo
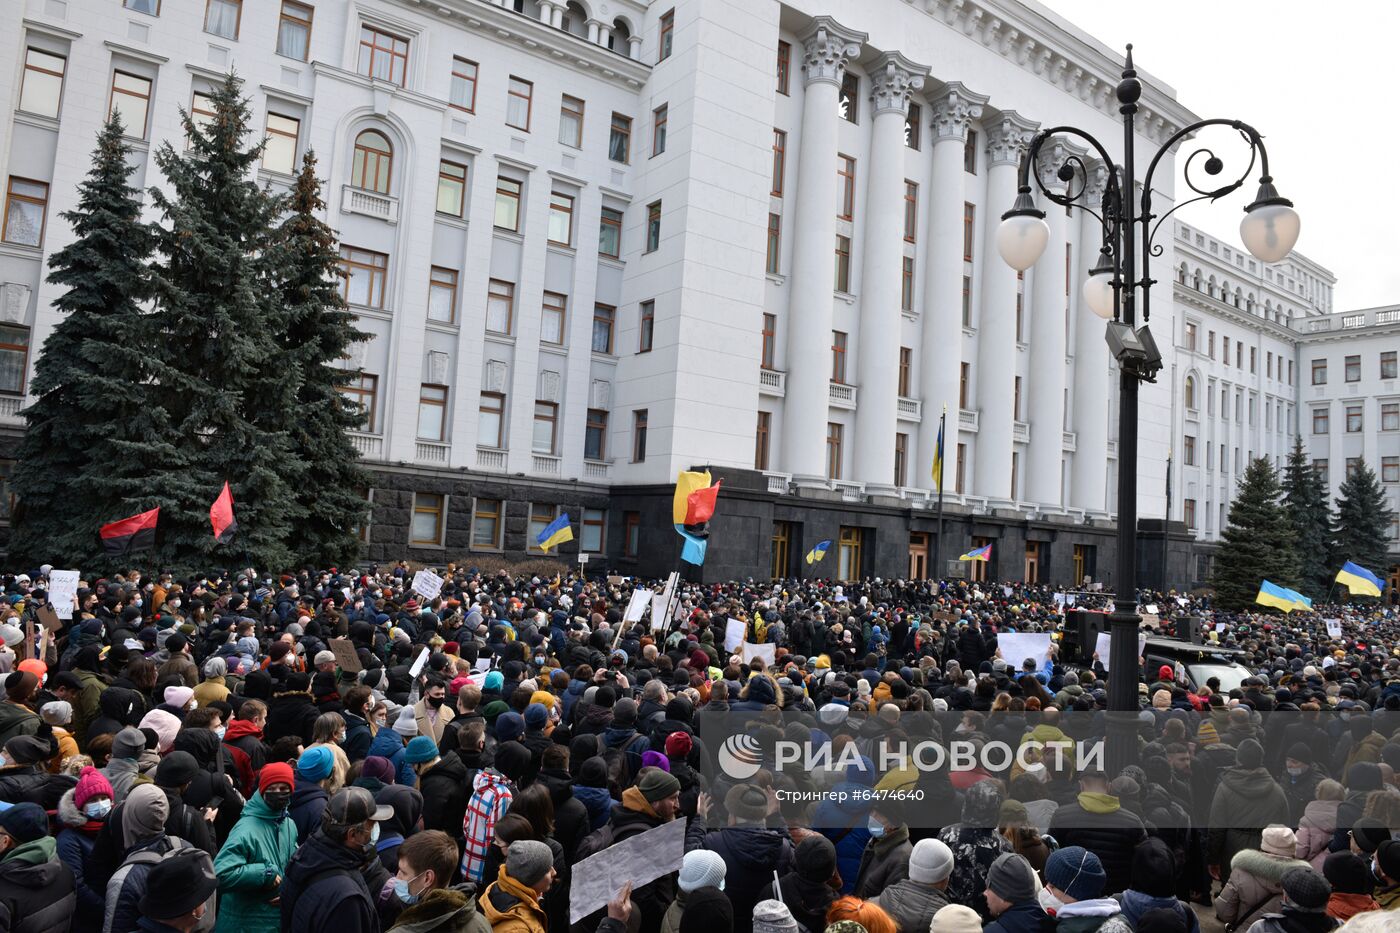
{"x": 740, "y": 756}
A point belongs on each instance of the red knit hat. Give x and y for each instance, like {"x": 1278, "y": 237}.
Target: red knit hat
{"x": 91, "y": 783}
{"x": 277, "y": 773}
{"x": 678, "y": 745}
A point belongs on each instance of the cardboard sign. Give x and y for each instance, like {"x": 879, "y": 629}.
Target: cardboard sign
{"x": 63, "y": 589}
{"x": 615, "y": 580}
{"x": 50, "y": 618}
{"x": 769, "y": 653}
{"x": 427, "y": 584}
{"x": 345, "y": 657}
{"x": 948, "y": 617}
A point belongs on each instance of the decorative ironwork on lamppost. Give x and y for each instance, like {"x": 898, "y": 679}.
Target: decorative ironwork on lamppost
{"x": 1113, "y": 289}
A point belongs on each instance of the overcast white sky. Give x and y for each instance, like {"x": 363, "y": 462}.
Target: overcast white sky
{"x": 1317, "y": 83}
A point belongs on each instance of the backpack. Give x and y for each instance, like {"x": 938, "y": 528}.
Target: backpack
{"x": 151, "y": 859}
{"x": 247, "y": 780}
{"x": 619, "y": 768}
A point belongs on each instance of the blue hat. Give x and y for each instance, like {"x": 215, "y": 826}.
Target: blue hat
{"x": 420, "y": 749}
{"x": 495, "y": 680}
{"x": 535, "y": 716}
{"x": 315, "y": 764}
{"x": 25, "y": 822}
{"x": 509, "y": 727}
{"x": 1077, "y": 872}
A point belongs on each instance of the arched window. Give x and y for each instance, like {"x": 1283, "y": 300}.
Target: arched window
{"x": 1191, "y": 393}
{"x": 1181, "y": 274}
{"x": 1239, "y": 298}
{"x": 620, "y": 37}
{"x": 374, "y": 162}
{"x": 1210, "y": 287}
{"x": 1249, "y": 303}
{"x": 575, "y": 19}
{"x": 1196, "y": 280}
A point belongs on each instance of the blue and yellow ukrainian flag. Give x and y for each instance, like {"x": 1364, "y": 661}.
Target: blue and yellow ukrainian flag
{"x": 981, "y": 553}
{"x": 1358, "y": 580}
{"x": 819, "y": 551}
{"x": 938, "y": 452}
{"x": 1281, "y": 597}
{"x": 555, "y": 533}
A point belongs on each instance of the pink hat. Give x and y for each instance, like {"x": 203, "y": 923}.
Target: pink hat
{"x": 91, "y": 783}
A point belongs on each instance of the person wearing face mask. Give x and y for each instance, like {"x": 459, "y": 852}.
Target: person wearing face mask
{"x": 252, "y": 860}
{"x": 1300, "y": 778}
{"x": 323, "y": 889}
{"x": 1385, "y": 866}
{"x": 885, "y": 861}
{"x": 82, "y": 812}
{"x": 432, "y": 713}
{"x": 179, "y": 890}
{"x": 427, "y": 863}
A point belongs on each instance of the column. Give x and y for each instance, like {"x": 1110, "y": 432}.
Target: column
{"x": 547, "y": 11}
{"x": 1089, "y": 478}
{"x": 1007, "y": 140}
{"x": 892, "y": 78}
{"x": 940, "y": 357}
{"x": 634, "y": 48}
{"x": 825, "y": 50}
{"x": 593, "y": 32}
{"x": 1043, "y": 395}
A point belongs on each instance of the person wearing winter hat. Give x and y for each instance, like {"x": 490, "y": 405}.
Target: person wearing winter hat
{"x": 707, "y": 911}
{"x": 976, "y": 844}
{"x": 1352, "y": 884}
{"x": 1247, "y": 798}
{"x": 37, "y": 890}
{"x": 82, "y": 813}
{"x": 251, "y": 862}
{"x": 314, "y": 772}
{"x": 955, "y": 918}
{"x": 1300, "y": 779}
{"x": 421, "y": 750}
{"x": 1385, "y": 865}
{"x": 1304, "y": 906}
{"x": 770, "y": 916}
{"x": 1154, "y": 882}
{"x": 58, "y": 714}
{"x": 179, "y": 892}
{"x": 752, "y": 851}
{"x": 1075, "y": 879}
{"x": 17, "y": 716}
{"x": 915, "y": 900}
{"x": 1098, "y": 821}
{"x": 1255, "y": 885}
{"x": 511, "y": 902}
{"x": 122, "y": 766}
{"x": 807, "y": 889}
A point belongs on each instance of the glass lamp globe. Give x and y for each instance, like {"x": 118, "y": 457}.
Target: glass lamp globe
{"x": 1098, "y": 293}
{"x": 1269, "y": 231}
{"x": 1021, "y": 238}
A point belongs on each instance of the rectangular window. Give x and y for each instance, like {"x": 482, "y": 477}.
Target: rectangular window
{"x": 620, "y": 139}
{"x": 1020, "y": 317}
{"x": 26, "y": 202}
{"x": 631, "y": 533}
{"x": 906, "y": 284}
{"x": 834, "y": 435}
{"x": 294, "y": 30}
{"x": 912, "y": 119}
{"x": 383, "y": 56}
{"x": 131, "y": 100}
{"x": 1321, "y": 419}
{"x": 639, "y": 435}
{"x": 850, "y": 98}
{"x": 970, "y": 153}
{"x": 667, "y": 36}
{"x": 653, "y": 226}
{"x": 151, "y": 7}
{"x": 500, "y": 306}
{"x": 361, "y": 393}
{"x": 1210, "y": 344}
{"x": 553, "y": 310}
{"x": 14, "y": 359}
{"x": 42, "y": 91}
{"x": 646, "y": 326}
{"x": 604, "y": 316}
{"x": 221, "y": 17}
{"x": 1225, "y": 349}
{"x": 760, "y": 441}
{"x": 1191, "y": 336}
{"x": 1390, "y": 416}
{"x": 1015, "y": 472}
{"x": 838, "y": 356}
{"x": 1188, "y": 513}
{"x": 427, "y": 525}
{"x": 541, "y": 515}
{"x": 1352, "y": 369}
{"x": 969, "y": 228}
{"x": 961, "y": 469}
{"x": 849, "y": 548}
{"x": 1290, "y": 372}
{"x": 201, "y": 112}
{"x": 1239, "y": 355}
{"x": 770, "y": 334}
{"x": 901, "y": 459}
{"x": 490, "y": 420}
{"x": 1319, "y": 372}
{"x": 365, "y": 272}
{"x": 519, "y": 101}
{"x": 610, "y": 233}
{"x": 1253, "y": 360}
{"x": 784, "y": 66}
{"x": 1189, "y": 450}
{"x": 775, "y": 233}
{"x": 843, "y": 263}
{"x": 1354, "y": 419}
{"x": 486, "y": 524}
{"x": 845, "y": 187}
{"x": 1352, "y": 465}
{"x": 508, "y": 204}
{"x": 658, "y": 129}
{"x": 571, "y": 122}
{"x": 452, "y": 188}
{"x": 432, "y": 413}
{"x": 442, "y": 295}
{"x": 911, "y": 211}
{"x": 1390, "y": 469}
{"x": 463, "y": 92}
{"x": 546, "y": 420}
{"x": 967, "y": 302}
{"x": 964, "y": 380}
{"x": 561, "y": 219}
{"x": 1388, "y": 364}
{"x": 591, "y": 530}
{"x": 779, "y": 162}
{"x": 906, "y": 366}
{"x": 1269, "y": 364}
{"x": 1016, "y": 398}
{"x": 595, "y": 435}
{"x": 280, "y": 151}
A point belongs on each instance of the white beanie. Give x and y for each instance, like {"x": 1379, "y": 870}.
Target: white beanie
{"x": 57, "y": 713}
{"x": 701, "y": 868}
{"x": 406, "y": 724}
{"x": 178, "y": 697}
{"x": 955, "y": 918}
{"x": 930, "y": 862}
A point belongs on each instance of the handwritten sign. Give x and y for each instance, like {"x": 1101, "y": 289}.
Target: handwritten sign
{"x": 427, "y": 584}
{"x": 641, "y": 860}
{"x": 63, "y": 589}
{"x": 768, "y": 653}
{"x": 1334, "y": 628}
{"x": 345, "y": 656}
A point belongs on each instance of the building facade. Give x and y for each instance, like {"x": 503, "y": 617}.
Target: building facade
{"x": 601, "y": 241}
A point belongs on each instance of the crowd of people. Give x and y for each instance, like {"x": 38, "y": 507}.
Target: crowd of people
{"x": 334, "y": 752}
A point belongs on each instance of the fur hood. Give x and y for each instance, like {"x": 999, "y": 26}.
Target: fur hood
{"x": 1269, "y": 869}
{"x": 68, "y": 813}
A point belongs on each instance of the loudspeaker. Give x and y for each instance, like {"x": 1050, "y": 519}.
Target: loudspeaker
{"x": 1082, "y": 629}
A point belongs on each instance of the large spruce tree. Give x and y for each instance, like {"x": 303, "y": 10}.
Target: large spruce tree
{"x": 219, "y": 366}
{"x": 92, "y": 428}
{"x": 319, "y": 333}
{"x": 1257, "y": 544}
{"x": 1363, "y": 520}
{"x": 1305, "y": 500}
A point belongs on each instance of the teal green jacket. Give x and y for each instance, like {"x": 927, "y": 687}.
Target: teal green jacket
{"x": 249, "y": 863}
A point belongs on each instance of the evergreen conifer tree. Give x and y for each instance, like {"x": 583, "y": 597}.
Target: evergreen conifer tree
{"x": 219, "y": 369}
{"x": 91, "y": 429}
{"x": 1257, "y": 544}
{"x": 1305, "y": 498}
{"x": 1363, "y": 520}
{"x": 319, "y": 333}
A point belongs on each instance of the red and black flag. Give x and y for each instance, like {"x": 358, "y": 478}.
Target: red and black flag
{"x": 137, "y": 533}
{"x": 221, "y": 516}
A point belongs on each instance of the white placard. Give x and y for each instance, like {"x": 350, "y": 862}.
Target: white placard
{"x": 1334, "y": 628}
{"x": 1016, "y": 647}
{"x": 637, "y": 605}
{"x": 641, "y": 860}
{"x": 427, "y": 584}
{"x": 1060, "y": 600}
{"x": 1182, "y": 601}
{"x": 63, "y": 587}
{"x": 659, "y": 603}
{"x": 1220, "y": 627}
{"x": 482, "y": 665}
{"x": 1007, "y": 591}
{"x": 1105, "y": 639}
{"x": 748, "y": 651}
{"x": 418, "y": 663}
{"x": 1070, "y": 600}
{"x": 734, "y": 631}
{"x": 582, "y": 558}
{"x": 1151, "y": 609}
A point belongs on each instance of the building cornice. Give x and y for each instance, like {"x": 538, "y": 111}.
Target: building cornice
{"x": 1186, "y": 295}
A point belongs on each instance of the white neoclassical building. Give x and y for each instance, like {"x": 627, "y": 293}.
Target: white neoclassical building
{"x": 600, "y": 241}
